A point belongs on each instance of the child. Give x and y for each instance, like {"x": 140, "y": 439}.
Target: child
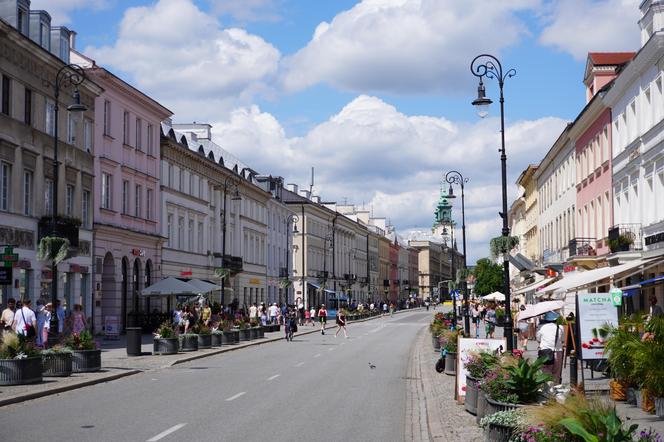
{"x": 307, "y": 316}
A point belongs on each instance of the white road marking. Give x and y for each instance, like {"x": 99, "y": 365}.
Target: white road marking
{"x": 375, "y": 330}
{"x": 317, "y": 355}
{"x": 153, "y": 379}
{"x": 299, "y": 364}
{"x": 330, "y": 349}
{"x": 343, "y": 343}
{"x": 232, "y": 398}
{"x": 273, "y": 377}
{"x": 163, "y": 434}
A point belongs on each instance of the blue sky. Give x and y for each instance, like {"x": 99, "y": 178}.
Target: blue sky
{"x": 375, "y": 94}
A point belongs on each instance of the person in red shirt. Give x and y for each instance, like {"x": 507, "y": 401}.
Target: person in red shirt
{"x": 322, "y": 317}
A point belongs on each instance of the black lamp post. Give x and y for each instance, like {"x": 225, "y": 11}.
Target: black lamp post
{"x": 294, "y": 219}
{"x": 68, "y": 75}
{"x": 454, "y": 177}
{"x": 232, "y": 182}
{"x": 450, "y": 251}
{"x": 486, "y": 65}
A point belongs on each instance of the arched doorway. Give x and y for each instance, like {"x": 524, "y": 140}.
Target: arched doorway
{"x": 108, "y": 289}
{"x": 124, "y": 289}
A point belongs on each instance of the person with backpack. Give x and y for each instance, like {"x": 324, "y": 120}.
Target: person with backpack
{"x": 25, "y": 321}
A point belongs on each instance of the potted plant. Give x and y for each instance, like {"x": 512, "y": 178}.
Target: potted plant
{"x": 229, "y": 335}
{"x": 165, "y": 340}
{"x": 254, "y": 327}
{"x": 648, "y": 356}
{"x": 477, "y": 364}
{"x": 20, "y": 361}
{"x": 217, "y": 335}
{"x": 204, "y": 335}
{"x": 57, "y": 361}
{"x": 622, "y": 243}
{"x": 245, "y": 329}
{"x": 619, "y": 347}
{"x": 188, "y": 341}
{"x": 498, "y": 427}
{"x": 86, "y": 357}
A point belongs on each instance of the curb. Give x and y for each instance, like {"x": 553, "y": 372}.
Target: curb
{"x": 57, "y": 390}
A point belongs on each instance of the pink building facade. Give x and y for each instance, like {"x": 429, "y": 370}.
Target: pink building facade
{"x": 127, "y": 231}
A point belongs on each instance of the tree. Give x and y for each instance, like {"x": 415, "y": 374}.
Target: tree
{"x": 489, "y": 277}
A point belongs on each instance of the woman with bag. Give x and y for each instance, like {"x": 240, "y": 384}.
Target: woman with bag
{"x": 549, "y": 337}
{"x": 341, "y": 323}
{"x": 78, "y": 323}
{"x": 25, "y": 321}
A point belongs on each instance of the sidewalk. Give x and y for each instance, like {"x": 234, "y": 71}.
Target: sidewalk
{"x": 116, "y": 364}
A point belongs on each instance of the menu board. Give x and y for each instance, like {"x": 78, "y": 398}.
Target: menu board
{"x": 595, "y": 311}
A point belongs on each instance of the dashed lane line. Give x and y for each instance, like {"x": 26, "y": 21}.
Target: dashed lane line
{"x": 232, "y": 398}
{"x": 165, "y": 433}
{"x": 271, "y": 378}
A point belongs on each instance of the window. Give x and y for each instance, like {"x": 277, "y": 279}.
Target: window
{"x": 190, "y": 246}
{"x": 21, "y": 25}
{"x": 87, "y": 135}
{"x": 48, "y": 196}
{"x": 170, "y": 229}
{"x": 170, "y": 176}
{"x": 27, "y": 108}
{"x": 139, "y": 134}
{"x": 201, "y": 246}
{"x": 647, "y": 103}
{"x": 85, "y": 209}
{"x": 658, "y": 99}
{"x": 50, "y": 117}
{"x": 27, "y": 192}
{"x": 5, "y": 180}
{"x": 107, "y": 117}
{"x": 6, "y": 94}
{"x": 125, "y": 196}
{"x": 148, "y": 204}
{"x": 181, "y": 180}
{"x": 43, "y": 36}
{"x": 605, "y": 145}
{"x": 191, "y": 184}
{"x": 69, "y": 200}
{"x": 125, "y": 128}
{"x": 200, "y": 187}
{"x": 64, "y": 49}
{"x": 138, "y": 195}
{"x": 150, "y": 140}
{"x": 181, "y": 233}
{"x": 72, "y": 126}
{"x": 106, "y": 185}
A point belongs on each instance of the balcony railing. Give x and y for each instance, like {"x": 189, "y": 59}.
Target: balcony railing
{"x": 232, "y": 263}
{"x": 625, "y": 237}
{"x": 583, "y": 247}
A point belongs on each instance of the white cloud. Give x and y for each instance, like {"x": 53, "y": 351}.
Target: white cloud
{"x": 176, "y": 52}
{"x": 60, "y": 10}
{"x": 582, "y": 26}
{"x": 371, "y": 153}
{"x": 247, "y": 10}
{"x": 404, "y": 46}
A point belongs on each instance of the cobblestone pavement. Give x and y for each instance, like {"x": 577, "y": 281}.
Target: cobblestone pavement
{"x": 432, "y": 414}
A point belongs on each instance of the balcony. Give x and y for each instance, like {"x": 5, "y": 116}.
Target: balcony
{"x": 582, "y": 247}
{"x": 350, "y": 276}
{"x": 232, "y": 263}
{"x": 625, "y": 237}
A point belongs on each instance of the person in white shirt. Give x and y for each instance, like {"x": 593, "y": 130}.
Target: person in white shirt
{"x": 550, "y": 338}
{"x": 273, "y": 310}
{"x": 253, "y": 311}
{"x": 25, "y": 316}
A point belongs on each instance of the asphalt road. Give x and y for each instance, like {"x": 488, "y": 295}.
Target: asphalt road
{"x": 316, "y": 388}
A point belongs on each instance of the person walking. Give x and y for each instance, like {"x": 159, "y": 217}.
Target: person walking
{"x": 78, "y": 323}
{"x": 341, "y": 323}
{"x": 25, "y": 321}
{"x": 253, "y": 311}
{"x": 490, "y": 319}
{"x": 177, "y": 317}
{"x": 7, "y": 318}
{"x": 312, "y": 315}
{"x": 273, "y": 310}
{"x": 60, "y": 312}
{"x": 322, "y": 317}
{"x": 475, "y": 313}
{"x": 206, "y": 313}
{"x": 290, "y": 323}
{"x": 300, "y": 312}
{"x": 523, "y": 326}
{"x": 46, "y": 326}
{"x": 41, "y": 309}
{"x": 655, "y": 310}
{"x": 187, "y": 319}
{"x": 549, "y": 337}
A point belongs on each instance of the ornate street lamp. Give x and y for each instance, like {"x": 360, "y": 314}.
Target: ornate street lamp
{"x": 454, "y": 177}
{"x": 68, "y": 75}
{"x": 488, "y": 66}
{"x": 231, "y": 182}
{"x": 450, "y": 251}
{"x": 290, "y": 219}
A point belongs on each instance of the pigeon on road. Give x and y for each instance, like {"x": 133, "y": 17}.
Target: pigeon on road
{"x": 371, "y": 366}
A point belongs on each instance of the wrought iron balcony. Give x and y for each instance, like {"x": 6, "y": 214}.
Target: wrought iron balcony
{"x": 582, "y": 247}
{"x": 625, "y": 237}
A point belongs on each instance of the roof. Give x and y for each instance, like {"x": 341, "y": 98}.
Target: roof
{"x": 610, "y": 58}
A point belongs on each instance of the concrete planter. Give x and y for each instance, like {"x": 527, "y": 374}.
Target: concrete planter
{"x": 261, "y": 332}
{"x": 165, "y": 346}
{"x": 245, "y": 334}
{"x": 631, "y": 396}
{"x": 497, "y": 433}
{"x": 20, "y": 371}
{"x": 639, "y": 398}
{"x": 188, "y": 342}
{"x": 217, "y": 338}
{"x": 204, "y": 341}
{"x": 481, "y": 406}
{"x": 472, "y": 392}
{"x": 85, "y": 361}
{"x": 450, "y": 364}
{"x": 253, "y": 333}
{"x": 229, "y": 337}
{"x": 276, "y": 328}
{"x": 436, "y": 343}
{"x": 496, "y": 406}
{"x": 659, "y": 406}
{"x": 57, "y": 364}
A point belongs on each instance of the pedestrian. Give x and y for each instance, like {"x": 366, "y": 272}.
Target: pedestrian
{"x": 426, "y": 304}
{"x": 46, "y": 326}
{"x": 522, "y": 326}
{"x": 391, "y": 309}
{"x": 384, "y": 308}
{"x": 300, "y": 312}
{"x": 312, "y": 315}
{"x": 307, "y": 316}
{"x": 263, "y": 314}
{"x": 60, "y": 313}
{"x": 655, "y": 310}
{"x": 40, "y": 322}
{"x": 290, "y": 323}
{"x": 78, "y": 323}
{"x": 341, "y": 323}
{"x": 206, "y": 312}
{"x": 273, "y": 310}
{"x": 322, "y": 317}
{"x": 187, "y": 319}
{"x": 7, "y": 317}
{"x": 253, "y": 311}
{"x": 177, "y": 317}
{"x": 475, "y": 313}
{"x": 549, "y": 337}
{"x": 25, "y": 321}
{"x": 490, "y": 319}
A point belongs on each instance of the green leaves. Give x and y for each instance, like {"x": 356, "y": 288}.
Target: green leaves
{"x": 489, "y": 277}
{"x": 595, "y": 426}
{"x": 53, "y": 248}
{"x": 576, "y": 428}
{"x": 525, "y": 379}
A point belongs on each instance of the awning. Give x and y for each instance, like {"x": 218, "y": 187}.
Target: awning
{"x": 533, "y": 287}
{"x": 495, "y": 296}
{"x": 581, "y": 279}
{"x": 318, "y": 287}
{"x": 170, "y": 286}
{"x": 652, "y": 280}
{"x": 203, "y": 286}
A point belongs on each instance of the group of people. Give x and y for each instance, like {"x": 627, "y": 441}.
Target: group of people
{"x": 20, "y": 318}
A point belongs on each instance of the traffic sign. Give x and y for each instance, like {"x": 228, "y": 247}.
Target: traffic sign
{"x": 6, "y": 275}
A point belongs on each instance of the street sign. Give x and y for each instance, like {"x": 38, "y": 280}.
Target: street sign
{"x": 616, "y": 296}
{"x": 6, "y": 275}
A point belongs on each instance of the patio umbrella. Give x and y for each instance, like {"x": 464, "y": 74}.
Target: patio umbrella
{"x": 533, "y": 310}
{"x": 203, "y": 286}
{"x": 495, "y": 296}
{"x": 170, "y": 286}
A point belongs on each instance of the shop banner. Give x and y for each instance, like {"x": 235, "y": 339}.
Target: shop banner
{"x": 471, "y": 345}
{"x": 595, "y": 311}
{"x": 111, "y": 327}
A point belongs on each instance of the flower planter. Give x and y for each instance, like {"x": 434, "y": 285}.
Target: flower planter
{"x": 659, "y": 406}
{"x": 188, "y": 342}
{"x": 647, "y": 402}
{"x": 204, "y": 341}
{"x": 217, "y": 338}
{"x": 472, "y": 391}
{"x": 165, "y": 346}
{"x": 450, "y": 364}
{"x": 276, "y": 328}
{"x": 253, "y": 333}
{"x": 495, "y": 406}
{"x": 85, "y": 361}
{"x": 20, "y": 371}
{"x": 245, "y": 334}
{"x": 435, "y": 342}
{"x": 497, "y": 433}
{"x": 639, "y": 398}
{"x": 631, "y": 396}
{"x": 229, "y": 337}
{"x": 481, "y": 406}
{"x": 261, "y": 332}
{"x": 618, "y": 390}
{"x": 57, "y": 364}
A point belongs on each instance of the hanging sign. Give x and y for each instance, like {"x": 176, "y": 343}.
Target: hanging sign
{"x": 595, "y": 311}
{"x": 616, "y": 297}
{"x": 471, "y": 345}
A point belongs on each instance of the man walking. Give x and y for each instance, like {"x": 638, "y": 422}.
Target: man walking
{"x": 25, "y": 321}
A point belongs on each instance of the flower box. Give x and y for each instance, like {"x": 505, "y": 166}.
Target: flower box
{"x": 165, "y": 346}
{"x": 57, "y": 364}
{"x": 188, "y": 342}
{"x": 659, "y": 407}
{"x": 20, "y": 371}
{"x": 261, "y": 332}
{"x": 495, "y": 406}
{"x": 450, "y": 364}
{"x": 481, "y": 406}
{"x": 217, "y": 336}
{"x": 497, "y": 433}
{"x": 204, "y": 341}
{"x": 253, "y": 333}
{"x": 472, "y": 393}
{"x": 245, "y": 334}
{"x": 85, "y": 361}
{"x": 230, "y": 337}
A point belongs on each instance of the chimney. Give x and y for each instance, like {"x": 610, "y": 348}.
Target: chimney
{"x": 315, "y": 199}
{"x": 305, "y": 193}
{"x": 203, "y": 130}
{"x": 292, "y": 187}
{"x": 72, "y": 40}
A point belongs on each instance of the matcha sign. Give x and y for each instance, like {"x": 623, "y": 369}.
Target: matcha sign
{"x": 595, "y": 311}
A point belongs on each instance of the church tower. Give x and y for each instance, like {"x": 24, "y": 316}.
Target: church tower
{"x": 443, "y": 226}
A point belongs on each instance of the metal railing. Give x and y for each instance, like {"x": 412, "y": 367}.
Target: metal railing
{"x": 583, "y": 247}
{"x": 625, "y": 237}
